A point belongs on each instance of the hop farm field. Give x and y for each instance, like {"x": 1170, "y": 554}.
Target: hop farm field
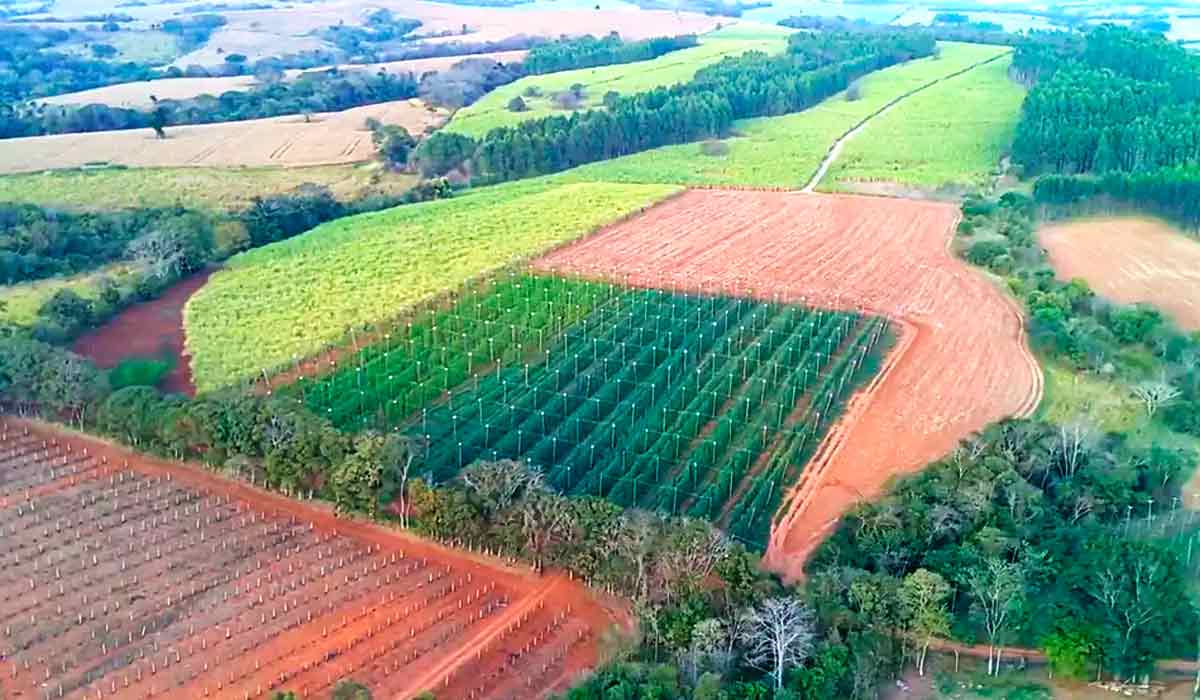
{"x": 287, "y": 301}
{"x": 701, "y": 404}
{"x": 492, "y": 111}
{"x": 126, "y": 577}
{"x": 785, "y": 151}
{"x": 335, "y": 137}
{"x": 960, "y": 362}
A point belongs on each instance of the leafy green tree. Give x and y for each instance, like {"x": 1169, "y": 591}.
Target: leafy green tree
{"x": 924, "y": 604}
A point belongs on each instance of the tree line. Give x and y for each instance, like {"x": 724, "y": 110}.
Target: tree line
{"x": 321, "y": 91}
{"x": 814, "y": 67}
{"x": 589, "y": 52}
{"x": 148, "y": 250}
{"x": 974, "y": 32}
{"x": 1172, "y": 193}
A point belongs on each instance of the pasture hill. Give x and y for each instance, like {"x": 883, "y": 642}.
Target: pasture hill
{"x": 801, "y": 435}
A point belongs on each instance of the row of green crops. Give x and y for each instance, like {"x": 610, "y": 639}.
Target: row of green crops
{"x": 684, "y": 403}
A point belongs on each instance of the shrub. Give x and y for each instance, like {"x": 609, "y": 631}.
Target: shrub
{"x": 516, "y": 104}
{"x": 139, "y": 371}
{"x": 984, "y": 252}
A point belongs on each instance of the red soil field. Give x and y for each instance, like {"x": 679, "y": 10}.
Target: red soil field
{"x": 1131, "y": 260}
{"x": 128, "y": 577}
{"x": 961, "y": 361}
{"x": 150, "y": 329}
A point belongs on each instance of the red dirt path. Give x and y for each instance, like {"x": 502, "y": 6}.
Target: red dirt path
{"x": 149, "y": 329}
{"x": 961, "y": 362}
{"x": 218, "y": 616}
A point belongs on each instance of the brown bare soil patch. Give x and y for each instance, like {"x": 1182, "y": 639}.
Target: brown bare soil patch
{"x": 330, "y": 138}
{"x": 130, "y": 577}
{"x": 961, "y": 361}
{"x": 150, "y": 329}
{"x": 1131, "y": 260}
{"x": 137, "y": 95}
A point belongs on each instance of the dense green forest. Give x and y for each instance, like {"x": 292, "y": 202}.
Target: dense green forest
{"x": 814, "y": 67}
{"x": 589, "y": 52}
{"x": 1115, "y": 100}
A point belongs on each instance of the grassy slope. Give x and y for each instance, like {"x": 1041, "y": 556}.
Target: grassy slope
{"x": 954, "y": 133}
{"x": 222, "y": 189}
{"x": 21, "y": 302}
{"x": 291, "y": 298}
{"x": 629, "y": 78}
{"x": 783, "y": 151}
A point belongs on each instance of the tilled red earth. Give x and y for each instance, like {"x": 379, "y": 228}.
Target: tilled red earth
{"x": 129, "y": 577}
{"x": 961, "y": 362}
{"x": 149, "y": 329}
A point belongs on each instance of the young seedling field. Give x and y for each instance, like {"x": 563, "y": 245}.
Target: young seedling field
{"x": 124, "y": 577}
{"x": 702, "y": 404}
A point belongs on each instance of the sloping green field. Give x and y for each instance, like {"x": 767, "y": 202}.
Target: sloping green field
{"x": 785, "y": 151}
{"x": 221, "y": 189}
{"x": 492, "y": 111}
{"x": 291, "y": 298}
{"x": 952, "y": 134}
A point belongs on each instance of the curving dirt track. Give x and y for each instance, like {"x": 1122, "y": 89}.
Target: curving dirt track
{"x": 128, "y": 577}
{"x": 150, "y": 329}
{"x": 1131, "y": 259}
{"x": 962, "y": 360}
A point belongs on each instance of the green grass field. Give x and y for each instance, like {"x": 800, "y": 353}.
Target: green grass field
{"x": 140, "y": 46}
{"x": 783, "y": 151}
{"x": 290, "y": 299}
{"x": 629, "y": 78}
{"x": 220, "y": 189}
{"x": 952, "y": 134}
{"x": 19, "y": 303}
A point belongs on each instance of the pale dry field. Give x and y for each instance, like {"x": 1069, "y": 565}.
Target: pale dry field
{"x": 137, "y": 95}
{"x": 261, "y": 33}
{"x": 1131, "y": 259}
{"x": 337, "y": 137}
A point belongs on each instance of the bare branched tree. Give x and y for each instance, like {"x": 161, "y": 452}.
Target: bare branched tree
{"x": 998, "y": 587}
{"x": 779, "y": 634}
{"x": 1075, "y": 440}
{"x": 636, "y": 542}
{"x": 499, "y": 484}
{"x": 1155, "y": 395}
{"x": 690, "y": 556}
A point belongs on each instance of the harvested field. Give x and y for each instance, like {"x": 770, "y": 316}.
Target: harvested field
{"x": 137, "y": 95}
{"x": 261, "y": 33}
{"x": 1131, "y": 260}
{"x": 150, "y": 329}
{"x": 961, "y": 361}
{"x": 330, "y": 138}
{"x": 159, "y": 578}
